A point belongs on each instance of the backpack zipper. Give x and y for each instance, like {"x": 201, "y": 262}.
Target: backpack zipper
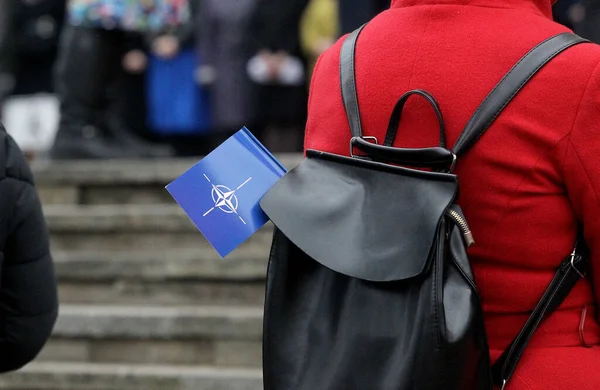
{"x": 461, "y": 222}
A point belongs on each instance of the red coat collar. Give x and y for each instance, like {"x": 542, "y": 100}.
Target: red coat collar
{"x": 543, "y": 7}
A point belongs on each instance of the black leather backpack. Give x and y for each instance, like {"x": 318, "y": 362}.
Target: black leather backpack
{"x": 369, "y": 285}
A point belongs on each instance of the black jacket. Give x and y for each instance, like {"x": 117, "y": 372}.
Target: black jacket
{"x": 28, "y": 293}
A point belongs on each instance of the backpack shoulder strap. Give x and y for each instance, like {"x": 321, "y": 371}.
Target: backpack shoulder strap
{"x": 348, "y": 82}
{"x": 510, "y": 85}
{"x": 488, "y": 110}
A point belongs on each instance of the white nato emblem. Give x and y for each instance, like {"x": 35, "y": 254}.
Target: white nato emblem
{"x": 225, "y": 199}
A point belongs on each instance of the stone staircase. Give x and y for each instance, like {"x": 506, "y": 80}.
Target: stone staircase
{"x": 146, "y": 302}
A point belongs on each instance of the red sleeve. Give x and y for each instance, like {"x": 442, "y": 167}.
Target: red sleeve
{"x": 582, "y": 171}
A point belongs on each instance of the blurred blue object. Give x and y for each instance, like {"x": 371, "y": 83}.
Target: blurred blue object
{"x": 221, "y": 193}
{"x": 176, "y": 103}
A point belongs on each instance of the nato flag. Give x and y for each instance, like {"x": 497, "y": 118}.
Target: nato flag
{"x": 221, "y": 193}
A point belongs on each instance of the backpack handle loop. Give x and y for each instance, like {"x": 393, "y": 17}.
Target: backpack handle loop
{"x": 392, "y": 130}
{"x": 438, "y": 158}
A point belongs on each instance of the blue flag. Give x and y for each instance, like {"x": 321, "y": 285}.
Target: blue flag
{"x": 221, "y": 193}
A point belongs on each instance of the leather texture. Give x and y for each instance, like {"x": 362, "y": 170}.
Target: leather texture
{"x": 510, "y": 85}
{"x": 392, "y": 130}
{"x": 368, "y": 299}
{"x": 348, "y": 82}
{"x": 465, "y": 343}
{"x": 340, "y": 224}
{"x": 436, "y": 157}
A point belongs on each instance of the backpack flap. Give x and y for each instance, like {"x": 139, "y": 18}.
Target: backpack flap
{"x": 361, "y": 218}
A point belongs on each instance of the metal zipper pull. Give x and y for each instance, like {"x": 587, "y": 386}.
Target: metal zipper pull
{"x": 461, "y": 222}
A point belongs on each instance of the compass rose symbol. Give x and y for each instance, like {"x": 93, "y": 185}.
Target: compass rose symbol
{"x": 225, "y": 199}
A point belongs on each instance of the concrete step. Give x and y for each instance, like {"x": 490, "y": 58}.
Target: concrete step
{"x": 82, "y": 376}
{"x": 164, "y": 322}
{"x": 182, "y": 277}
{"x": 115, "y": 182}
{"x": 129, "y": 227}
{"x": 201, "y": 335}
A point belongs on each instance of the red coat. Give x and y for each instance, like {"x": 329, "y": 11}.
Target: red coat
{"x": 526, "y": 183}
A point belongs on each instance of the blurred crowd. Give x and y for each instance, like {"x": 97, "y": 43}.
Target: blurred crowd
{"x": 82, "y": 79}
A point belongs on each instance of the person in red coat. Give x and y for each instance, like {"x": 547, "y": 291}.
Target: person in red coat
{"x": 526, "y": 186}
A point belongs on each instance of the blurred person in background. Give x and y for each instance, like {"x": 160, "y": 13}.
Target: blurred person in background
{"x": 101, "y": 40}
{"x": 6, "y": 76}
{"x": 355, "y": 13}
{"x": 31, "y": 109}
{"x": 158, "y": 94}
{"x": 277, "y": 69}
{"x": 221, "y": 27}
{"x": 588, "y": 26}
{"x": 568, "y": 12}
{"x": 319, "y": 29}
{"x": 28, "y": 293}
